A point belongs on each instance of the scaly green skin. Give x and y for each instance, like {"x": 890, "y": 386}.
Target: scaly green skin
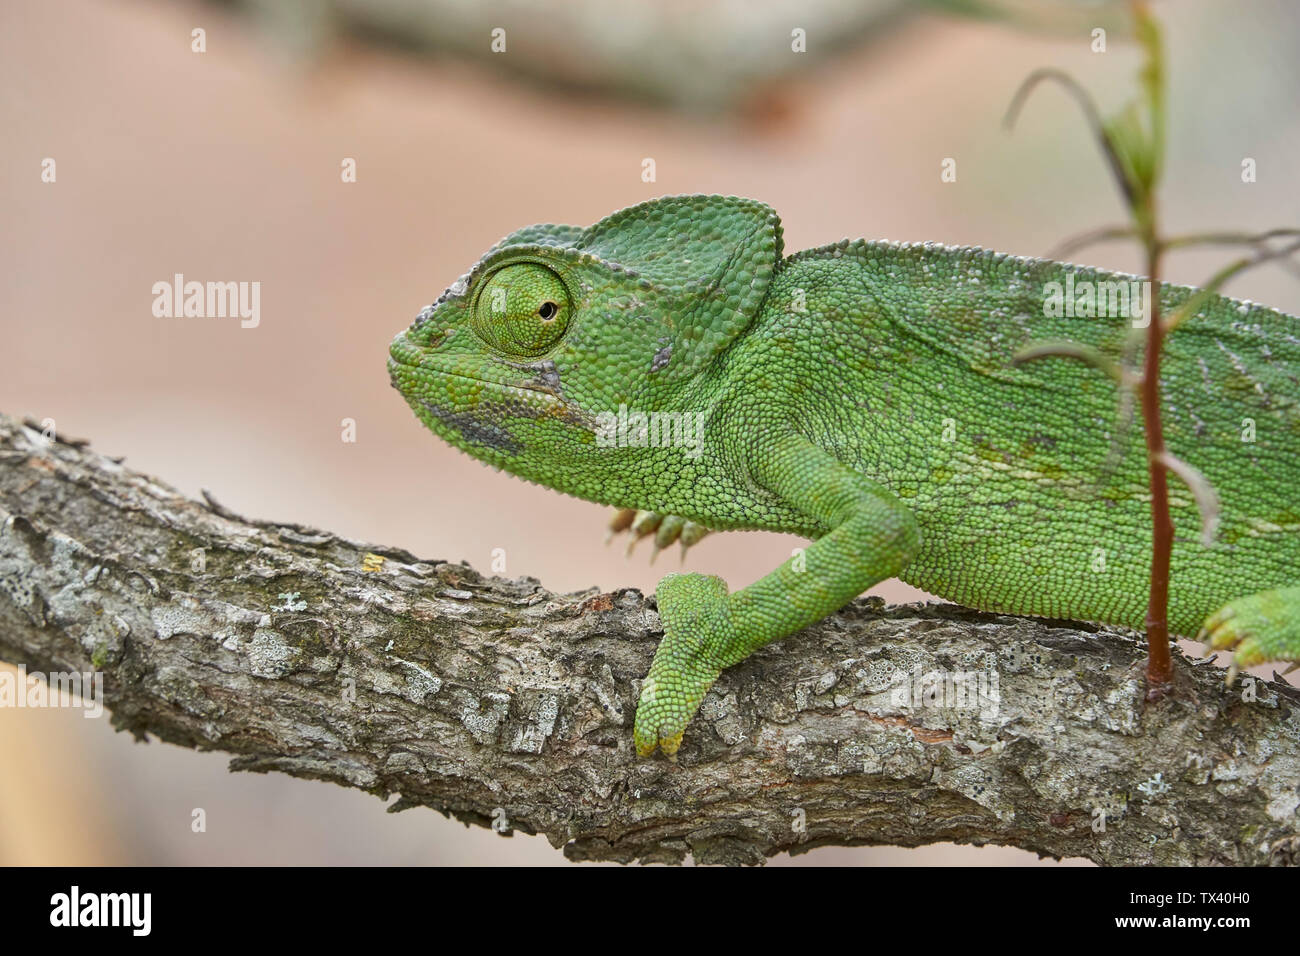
{"x": 863, "y": 395}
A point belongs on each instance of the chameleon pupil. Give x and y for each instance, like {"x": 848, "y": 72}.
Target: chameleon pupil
{"x": 547, "y": 311}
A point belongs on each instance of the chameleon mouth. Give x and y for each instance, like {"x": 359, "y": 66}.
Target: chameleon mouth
{"x": 403, "y": 355}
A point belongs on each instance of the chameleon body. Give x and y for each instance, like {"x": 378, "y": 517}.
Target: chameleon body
{"x": 863, "y": 395}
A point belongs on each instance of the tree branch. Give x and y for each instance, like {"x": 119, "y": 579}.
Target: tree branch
{"x": 489, "y": 699}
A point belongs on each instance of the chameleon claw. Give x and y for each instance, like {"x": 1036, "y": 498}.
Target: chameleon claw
{"x": 670, "y": 530}
{"x": 621, "y": 521}
{"x": 666, "y": 529}
{"x": 646, "y": 522}
{"x": 691, "y": 535}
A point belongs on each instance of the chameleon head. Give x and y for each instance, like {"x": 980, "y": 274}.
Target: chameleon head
{"x": 474, "y": 365}
{"x": 558, "y": 327}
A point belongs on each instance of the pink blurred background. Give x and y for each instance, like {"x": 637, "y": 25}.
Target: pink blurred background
{"x": 225, "y": 165}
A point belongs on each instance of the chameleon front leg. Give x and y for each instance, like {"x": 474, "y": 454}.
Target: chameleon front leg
{"x": 1257, "y": 628}
{"x": 869, "y": 536}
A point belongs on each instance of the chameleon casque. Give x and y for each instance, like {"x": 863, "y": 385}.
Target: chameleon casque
{"x": 863, "y": 395}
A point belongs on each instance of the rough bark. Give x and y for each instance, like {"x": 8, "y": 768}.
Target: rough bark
{"x": 497, "y": 700}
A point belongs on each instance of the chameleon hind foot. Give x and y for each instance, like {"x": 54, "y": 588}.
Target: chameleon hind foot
{"x": 693, "y": 609}
{"x": 665, "y": 528}
{"x": 1257, "y": 629}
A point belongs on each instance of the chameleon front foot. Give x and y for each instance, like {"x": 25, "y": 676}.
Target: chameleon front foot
{"x": 665, "y": 528}
{"x": 688, "y": 661}
{"x": 1257, "y": 628}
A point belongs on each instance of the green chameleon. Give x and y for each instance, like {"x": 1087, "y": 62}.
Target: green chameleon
{"x": 670, "y": 359}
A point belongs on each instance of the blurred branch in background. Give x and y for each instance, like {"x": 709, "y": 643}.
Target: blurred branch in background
{"x": 696, "y": 57}
{"x": 502, "y": 704}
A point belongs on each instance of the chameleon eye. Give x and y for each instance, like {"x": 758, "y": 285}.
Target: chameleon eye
{"x": 522, "y": 309}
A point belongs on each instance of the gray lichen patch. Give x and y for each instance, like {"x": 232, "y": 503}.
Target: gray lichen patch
{"x": 269, "y": 655}
{"x": 184, "y": 617}
{"x": 483, "y": 716}
{"x": 529, "y": 734}
{"x": 20, "y": 592}
{"x": 412, "y": 682}
{"x": 979, "y": 783}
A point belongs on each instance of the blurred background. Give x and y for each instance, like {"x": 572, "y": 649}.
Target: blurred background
{"x": 226, "y": 163}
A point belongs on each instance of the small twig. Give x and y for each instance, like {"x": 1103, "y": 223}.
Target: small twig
{"x": 1076, "y": 350}
{"x": 1090, "y": 112}
{"x": 1091, "y": 237}
{"x": 1160, "y": 668}
{"x": 1207, "y": 499}
{"x": 1189, "y": 308}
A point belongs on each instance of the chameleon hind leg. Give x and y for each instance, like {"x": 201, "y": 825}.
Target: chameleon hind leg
{"x": 869, "y": 536}
{"x": 1257, "y": 628}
